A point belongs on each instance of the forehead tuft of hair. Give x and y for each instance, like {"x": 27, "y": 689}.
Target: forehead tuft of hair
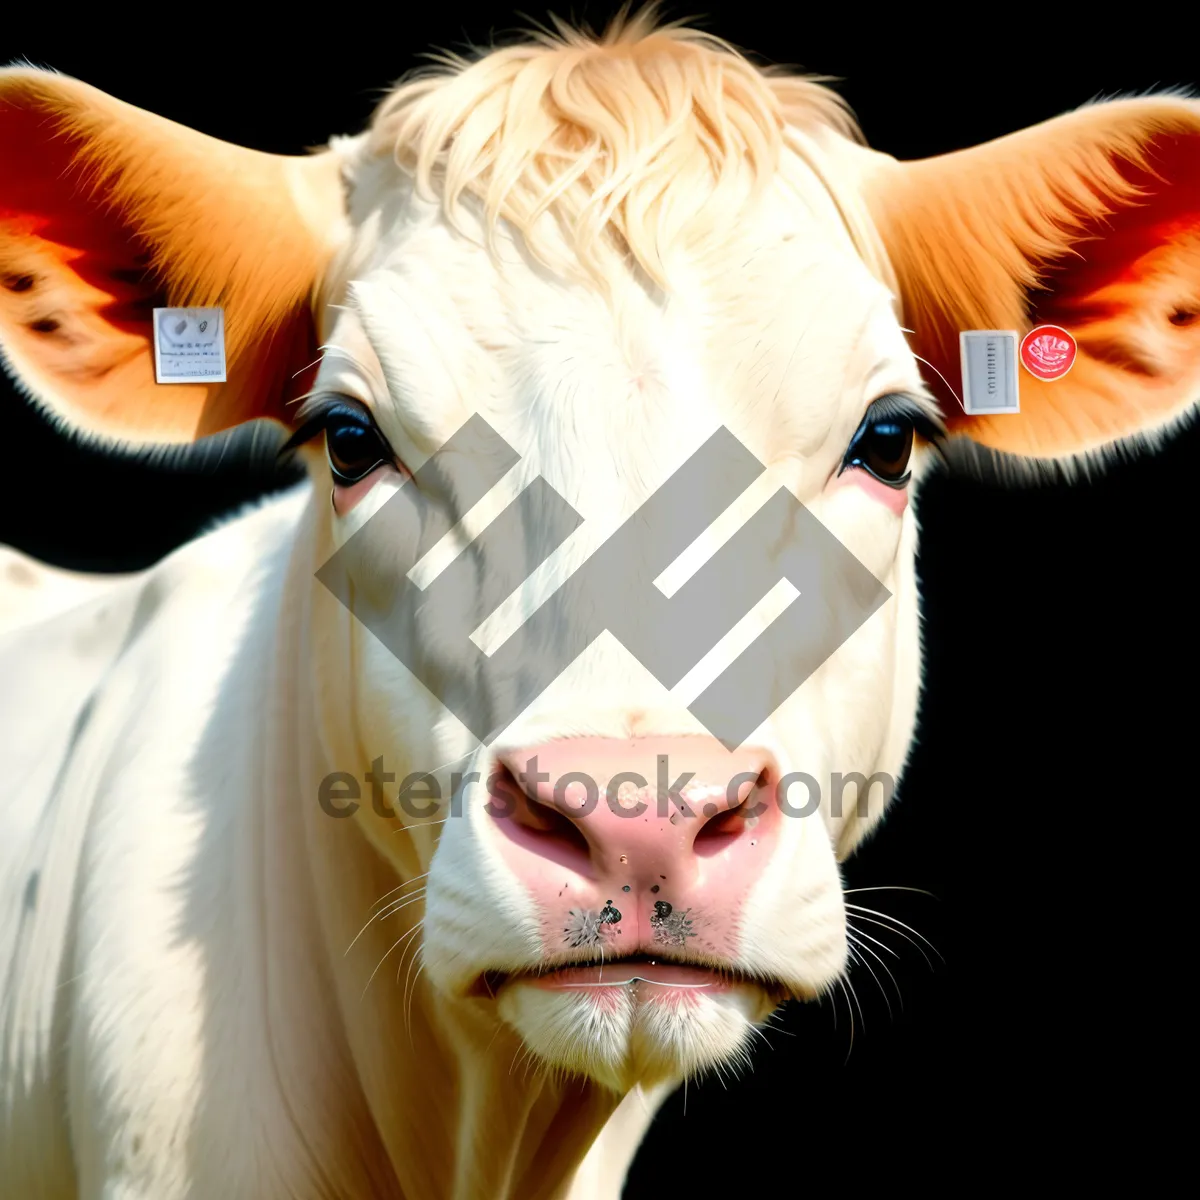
{"x": 647, "y": 138}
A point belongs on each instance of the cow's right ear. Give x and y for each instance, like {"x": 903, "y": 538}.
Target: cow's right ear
{"x": 106, "y": 212}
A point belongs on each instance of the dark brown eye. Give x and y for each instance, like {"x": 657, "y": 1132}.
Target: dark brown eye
{"x": 883, "y": 444}
{"x": 354, "y": 444}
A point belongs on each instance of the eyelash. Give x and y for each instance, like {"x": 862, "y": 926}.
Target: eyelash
{"x": 896, "y": 407}
{"x": 318, "y": 415}
{"x": 898, "y": 404}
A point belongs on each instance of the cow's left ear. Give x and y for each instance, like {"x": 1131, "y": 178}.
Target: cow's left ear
{"x": 106, "y": 212}
{"x": 1089, "y": 221}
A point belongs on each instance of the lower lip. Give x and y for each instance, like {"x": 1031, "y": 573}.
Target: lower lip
{"x": 671, "y": 975}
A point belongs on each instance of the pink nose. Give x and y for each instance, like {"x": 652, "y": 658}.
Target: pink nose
{"x": 631, "y": 846}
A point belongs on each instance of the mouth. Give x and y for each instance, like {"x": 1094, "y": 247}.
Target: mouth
{"x": 641, "y": 972}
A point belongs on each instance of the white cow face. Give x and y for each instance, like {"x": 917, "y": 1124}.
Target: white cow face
{"x": 608, "y": 252}
{"x": 789, "y": 342}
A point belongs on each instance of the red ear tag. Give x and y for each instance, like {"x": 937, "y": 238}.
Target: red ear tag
{"x": 1048, "y": 352}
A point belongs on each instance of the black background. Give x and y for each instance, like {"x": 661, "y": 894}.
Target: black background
{"x": 1048, "y": 803}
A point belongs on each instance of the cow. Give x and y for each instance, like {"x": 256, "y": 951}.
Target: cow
{"x": 236, "y": 963}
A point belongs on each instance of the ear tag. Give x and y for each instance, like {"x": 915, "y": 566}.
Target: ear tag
{"x": 189, "y": 345}
{"x": 1048, "y": 352}
{"x": 989, "y": 371}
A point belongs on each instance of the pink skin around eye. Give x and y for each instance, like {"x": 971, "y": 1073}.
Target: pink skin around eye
{"x": 895, "y": 499}
{"x": 345, "y": 498}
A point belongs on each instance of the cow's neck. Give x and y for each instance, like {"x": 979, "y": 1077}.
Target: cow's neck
{"x": 393, "y": 1090}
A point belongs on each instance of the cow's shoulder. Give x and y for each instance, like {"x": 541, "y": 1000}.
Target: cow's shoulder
{"x": 33, "y": 592}
{"x": 100, "y": 673}
{"x": 65, "y": 634}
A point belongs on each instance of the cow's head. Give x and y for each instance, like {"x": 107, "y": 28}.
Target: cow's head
{"x": 608, "y": 251}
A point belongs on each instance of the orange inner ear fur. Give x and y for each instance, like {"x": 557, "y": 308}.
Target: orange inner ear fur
{"x": 76, "y": 287}
{"x": 1132, "y": 300}
{"x": 107, "y": 212}
{"x": 1129, "y": 291}
{"x": 1134, "y": 247}
{"x": 1091, "y": 222}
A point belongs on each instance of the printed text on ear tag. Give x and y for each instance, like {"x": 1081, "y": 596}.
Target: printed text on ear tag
{"x": 1048, "y": 352}
{"x": 989, "y": 371}
{"x": 189, "y": 345}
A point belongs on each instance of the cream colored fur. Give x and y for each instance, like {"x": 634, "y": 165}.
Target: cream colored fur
{"x": 218, "y": 990}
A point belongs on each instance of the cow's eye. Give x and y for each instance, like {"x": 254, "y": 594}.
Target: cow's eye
{"x": 882, "y": 448}
{"x": 354, "y": 444}
{"x": 883, "y": 442}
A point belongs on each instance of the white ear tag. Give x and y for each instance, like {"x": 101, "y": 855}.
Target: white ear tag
{"x": 989, "y": 371}
{"x": 189, "y": 345}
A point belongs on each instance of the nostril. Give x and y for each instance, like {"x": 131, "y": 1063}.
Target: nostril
{"x": 736, "y": 821}
{"x": 539, "y": 827}
{"x": 549, "y": 823}
{"x": 720, "y": 832}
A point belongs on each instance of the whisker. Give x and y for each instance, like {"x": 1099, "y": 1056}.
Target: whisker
{"x": 855, "y": 957}
{"x": 311, "y": 364}
{"x": 892, "y": 929}
{"x": 398, "y": 887}
{"x": 842, "y": 984}
{"x": 413, "y": 994}
{"x": 897, "y": 921}
{"x": 862, "y": 933}
{"x": 779, "y": 1029}
{"x": 414, "y": 945}
{"x": 308, "y": 396}
{"x": 389, "y": 911}
{"x": 396, "y": 905}
{"x": 899, "y": 997}
{"x": 919, "y": 891}
{"x": 492, "y": 1041}
{"x": 939, "y": 375}
{"x": 755, "y": 1031}
{"x": 385, "y": 958}
{"x": 422, "y": 825}
{"x": 862, "y": 1020}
